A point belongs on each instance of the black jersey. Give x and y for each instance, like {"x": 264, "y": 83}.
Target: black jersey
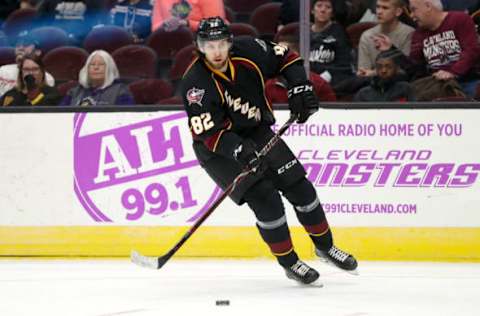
{"x": 223, "y": 107}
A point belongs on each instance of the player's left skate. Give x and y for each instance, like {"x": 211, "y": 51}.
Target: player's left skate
{"x": 338, "y": 258}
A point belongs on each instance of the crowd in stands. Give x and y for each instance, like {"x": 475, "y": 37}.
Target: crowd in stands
{"x": 123, "y": 52}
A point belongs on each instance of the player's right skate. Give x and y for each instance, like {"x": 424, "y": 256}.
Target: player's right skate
{"x": 338, "y": 258}
{"x": 301, "y": 272}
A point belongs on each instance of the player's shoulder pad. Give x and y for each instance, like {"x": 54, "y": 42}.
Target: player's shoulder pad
{"x": 250, "y": 47}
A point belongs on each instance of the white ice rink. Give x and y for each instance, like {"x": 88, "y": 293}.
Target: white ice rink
{"x": 193, "y": 287}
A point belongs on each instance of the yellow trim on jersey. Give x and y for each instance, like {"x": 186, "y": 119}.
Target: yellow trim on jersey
{"x": 221, "y": 74}
{"x": 261, "y": 76}
{"x": 288, "y": 64}
{"x": 189, "y": 66}
{"x": 218, "y": 88}
{"x": 37, "y": 99}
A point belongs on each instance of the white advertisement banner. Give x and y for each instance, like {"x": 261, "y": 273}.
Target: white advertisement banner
{"x": 404, "y": 168}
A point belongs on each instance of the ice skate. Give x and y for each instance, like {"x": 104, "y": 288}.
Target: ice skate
{"x": 338, "y": 258}
{"x": 301, "y": 272}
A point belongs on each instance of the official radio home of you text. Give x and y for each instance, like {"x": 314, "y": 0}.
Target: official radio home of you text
{"x": 367, "y": 208}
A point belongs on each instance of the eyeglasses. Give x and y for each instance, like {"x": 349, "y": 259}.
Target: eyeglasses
{"x": 32, "y": 69}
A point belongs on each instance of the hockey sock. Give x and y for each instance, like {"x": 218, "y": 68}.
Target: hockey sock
{"x": 310, "y": 213}
{"x": 277, "y": 236}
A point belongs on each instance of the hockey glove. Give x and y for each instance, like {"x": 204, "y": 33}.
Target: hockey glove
{"x": 302, "y": 101}
{"x": 247, "y": 156}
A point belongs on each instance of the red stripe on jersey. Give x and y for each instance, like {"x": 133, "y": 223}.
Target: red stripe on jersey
{"x": 281, "y": 248}
{"x": 318, "y": 229}
{"x": 291, "y": 57}
{"x": 212, "y": 141}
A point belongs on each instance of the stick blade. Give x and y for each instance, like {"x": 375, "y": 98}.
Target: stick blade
{"x": 144, "y": 261}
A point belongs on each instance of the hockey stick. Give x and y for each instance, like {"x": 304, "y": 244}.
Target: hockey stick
{"x": 158, "y": 262}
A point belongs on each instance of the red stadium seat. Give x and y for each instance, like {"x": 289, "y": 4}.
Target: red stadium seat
{"x": 244, "y": 8}
{"x": 181, "y": 61}
{"x": 149, "y": 91}
{"x": 229, "y": 14}
{"x": 355, "y": 30}
{"x": 289, "y": 29}
{"x": 50, "y": 37}
{"x": 63, "y": 88}
{"x": 18, "y": 21}
{"x": 7, "y": 55}
{"x": 238, "y": 29}
{"x": 167, "y": 44}
{"x": 172, "y": 100}
{"x": 265, "y": 19}
{"x": 135, "y": 61}
{"x": 64, "y": 63}
{"x": 108, "y": 38}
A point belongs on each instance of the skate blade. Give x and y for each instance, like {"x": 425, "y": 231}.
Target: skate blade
{"x": 352, "y": 272}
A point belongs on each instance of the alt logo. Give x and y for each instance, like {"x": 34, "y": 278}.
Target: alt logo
{"x": 139, "y": 167}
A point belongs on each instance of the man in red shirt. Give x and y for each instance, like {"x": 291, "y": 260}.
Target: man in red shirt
{"x": 444, "y": 45}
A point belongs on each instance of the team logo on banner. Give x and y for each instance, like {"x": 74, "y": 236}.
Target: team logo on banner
{"x": 139, "y": 168}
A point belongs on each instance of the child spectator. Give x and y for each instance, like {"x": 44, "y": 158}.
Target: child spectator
{"x": 386, "y": 86}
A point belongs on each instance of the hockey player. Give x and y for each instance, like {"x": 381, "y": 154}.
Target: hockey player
{"x": 230, "y": 119}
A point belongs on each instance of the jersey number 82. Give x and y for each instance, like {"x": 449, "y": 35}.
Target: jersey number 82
{"x": 201, "y": 123}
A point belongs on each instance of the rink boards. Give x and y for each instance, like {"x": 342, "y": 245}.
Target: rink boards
{"x": 395, "y": 185}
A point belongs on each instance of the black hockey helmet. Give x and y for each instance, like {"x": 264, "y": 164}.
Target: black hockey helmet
{"x": 212, "y": 29}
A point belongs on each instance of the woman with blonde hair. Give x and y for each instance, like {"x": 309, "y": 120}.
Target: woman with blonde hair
{"x": 98, "y": 84}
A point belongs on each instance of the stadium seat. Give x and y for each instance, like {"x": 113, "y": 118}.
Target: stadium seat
{"x": 64, "y": 63}
{"x": 172, "y": 100}
{"x": 181, "y": 61}
{"x": 7, "y": 55}
{"x": 167, "y": 44}
{"x": 244, "y": 8}
{"x": 149, "y": 91}
{"x": 289, "y": 29}
{"x": 18, "y": 21}
{"x": 108, "y": 38}
{"x": 265, "y": 19}
{"x": 50, "y": 37}
{"x": 135, "y": 62}
{"x": 238, "y": 29}
{"x": 355, "y": 30}
{"x": 63, "y": 88}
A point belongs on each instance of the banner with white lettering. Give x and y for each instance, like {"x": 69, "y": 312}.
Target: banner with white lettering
{"x": 402, "y": 168}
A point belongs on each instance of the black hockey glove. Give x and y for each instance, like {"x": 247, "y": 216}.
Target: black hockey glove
{"x": 247, "y": 156}
{"x": 302, "y": 101}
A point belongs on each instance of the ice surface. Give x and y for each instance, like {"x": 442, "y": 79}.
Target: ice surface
{"x": 257, "y": 287}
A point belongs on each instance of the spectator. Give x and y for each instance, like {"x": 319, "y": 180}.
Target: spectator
{"x": 400, "y": 34}
{"x": 25, "y": 45}
{"x": 31, "y": 87}
{"x": 276, "y": 88}
{"x": 330, "y": 51}
{"x": 171, "y": 14}
{"x": 290, "y": 12}
{"x": 135, "y": 16}
{"x": 445, "y": 45}
{"x": 386, "y": 86}
{"x": 76, "y": 17}
{"x": 98, "y": 84}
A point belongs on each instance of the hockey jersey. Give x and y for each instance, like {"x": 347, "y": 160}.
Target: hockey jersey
{"x": 223, "y": 107}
